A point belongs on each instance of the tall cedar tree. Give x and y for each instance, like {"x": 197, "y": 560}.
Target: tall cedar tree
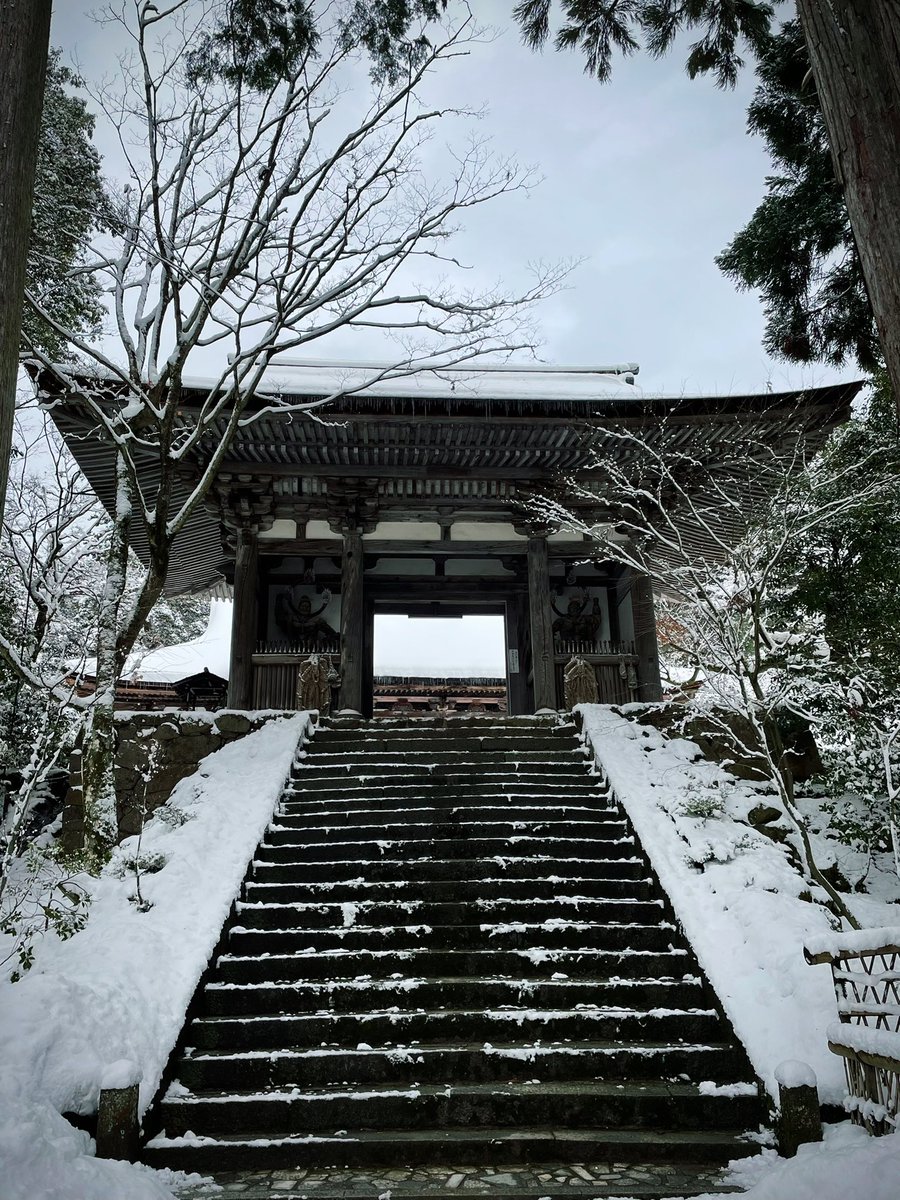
{"x": 852, "y": 46}
{"x": 23, "y": 63}
{"x": 798, "y": 248}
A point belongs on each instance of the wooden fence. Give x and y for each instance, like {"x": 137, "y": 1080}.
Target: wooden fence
{"x": 865, "y": 968}
{"x": 275, "y": 678}
{"x": 612, "y": 671}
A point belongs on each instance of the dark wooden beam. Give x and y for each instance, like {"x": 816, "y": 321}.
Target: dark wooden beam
{"x": 372, "y": 469}
{"x": 456, "y": 589}
{"x": 301, "y": 547}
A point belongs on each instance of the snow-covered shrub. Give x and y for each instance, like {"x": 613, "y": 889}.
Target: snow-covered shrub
{"x": 39, "y": 893}
{"x": 703, "y": 804}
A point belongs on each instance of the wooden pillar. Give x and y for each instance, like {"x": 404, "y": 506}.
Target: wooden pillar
{"x": 518, "y": 700}
{"x": 352, "y": 618}
{"x": 645, "y": 643}
{"x": 244, "y": 618}
{"x": 542, "y": 653}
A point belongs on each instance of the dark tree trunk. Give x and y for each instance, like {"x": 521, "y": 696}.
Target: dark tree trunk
{"x": 23, "y": 65}
{"x": 854, "y": 47}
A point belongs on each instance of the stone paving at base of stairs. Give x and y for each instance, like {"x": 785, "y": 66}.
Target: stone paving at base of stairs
{"x": 602, "y": 1181}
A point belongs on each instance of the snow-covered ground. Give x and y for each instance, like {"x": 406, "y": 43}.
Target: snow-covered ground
{"x": 847, "y": 1163}
{"x": 742, "y": 904}
{"x": 113, "y": 997}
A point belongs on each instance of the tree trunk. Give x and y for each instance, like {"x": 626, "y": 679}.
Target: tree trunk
{"x": 854, "y": 47}
{"x": 23, "y": 65}
{"x": 98, "y": 762}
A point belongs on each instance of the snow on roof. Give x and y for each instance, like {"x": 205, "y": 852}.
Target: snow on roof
{"x": 211, "y": 651}
{"x": 498, "y": 381}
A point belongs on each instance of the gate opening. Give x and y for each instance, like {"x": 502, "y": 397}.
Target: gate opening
{"x": 439, "y": 665}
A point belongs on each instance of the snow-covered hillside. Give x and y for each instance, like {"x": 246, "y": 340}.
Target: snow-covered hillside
{"x": 113, "y": 997}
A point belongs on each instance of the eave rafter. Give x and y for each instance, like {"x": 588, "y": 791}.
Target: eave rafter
{"x": 373, "y": 458}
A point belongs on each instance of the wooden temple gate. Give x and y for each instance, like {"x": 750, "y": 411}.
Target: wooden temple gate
{"x": 423, "y": 496}
{"x": 424, "y": 505}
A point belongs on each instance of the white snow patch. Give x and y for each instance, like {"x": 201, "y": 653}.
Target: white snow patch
{"x": 106, "y": 1007}
{"x": 734, "y": 892}
{"x": 793, "y": 1073}
{"x": 708, "y": 1087}
{"x": 847, "y": 1163}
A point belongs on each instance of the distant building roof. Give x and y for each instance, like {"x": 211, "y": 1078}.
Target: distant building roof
{"x": 211, "y": 652}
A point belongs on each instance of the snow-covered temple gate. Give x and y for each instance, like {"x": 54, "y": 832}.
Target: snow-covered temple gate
{"x": 419, "y": 496}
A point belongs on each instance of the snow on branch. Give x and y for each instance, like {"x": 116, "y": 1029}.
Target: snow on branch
{"x": 244, "y": 223}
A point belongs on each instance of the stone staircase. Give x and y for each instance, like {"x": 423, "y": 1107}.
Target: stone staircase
{"x": 451, "y": 957}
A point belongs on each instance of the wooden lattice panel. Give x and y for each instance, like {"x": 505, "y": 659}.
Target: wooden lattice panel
{"x": 865, "y": 968}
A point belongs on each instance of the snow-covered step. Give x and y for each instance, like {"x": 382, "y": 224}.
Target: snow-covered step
{"x": 411, "y": 1024}
{"x": 341, "y": 961}
{"x": 368, "y": 848}
{"x": 259, "y": 890}
{"x": 446, "y": 827}
{"x": 468, "y": 868}
{"x": 258, "y": 1150}
{"x": 557, "y": 934}
{"x": 488, "y": 739}
{"x": 474, "y": 911}
{"x": 506, "y": 1056}
{"x": 465, "y": 758}
{"x": 392, "y": 812}
{"x": 450, "y": 947}
{"x": 349, "y": 995}
{"x": 602, "y": 1104}
{"x": 436, "y": 792}
{"x": 448, "y": 764}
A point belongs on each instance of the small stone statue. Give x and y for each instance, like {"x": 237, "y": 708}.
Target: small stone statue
{"x": 315, "y": 679}
{"x": 577, "y": 623}
{"x": 629, "y": 674}
{"x": 297, "y": 621}
{"x": 580, "y": 683}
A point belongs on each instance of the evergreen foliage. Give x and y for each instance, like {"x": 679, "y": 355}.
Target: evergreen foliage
{"x": 257, "y": 43}
{"x": 254, "y": 42}
{"x": 849, "y": 573}
{"x": 67, "y": 199}
{"x": 845, "y": 581}
{"x": 798, "y": 248}
{"x": 599, "y": 28}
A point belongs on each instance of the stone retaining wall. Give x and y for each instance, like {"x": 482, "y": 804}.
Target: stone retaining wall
{"x": 154, "y": 752}
{"x": 157, "y": 750}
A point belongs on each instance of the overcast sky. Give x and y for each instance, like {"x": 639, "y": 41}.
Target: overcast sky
{"x": 646, "y": 178}
{"x": 419, "y": 645}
